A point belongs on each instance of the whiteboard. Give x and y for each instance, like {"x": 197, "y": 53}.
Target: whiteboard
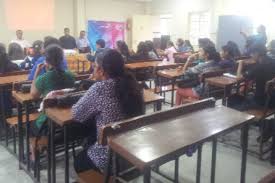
{"x": 229, "y": 28}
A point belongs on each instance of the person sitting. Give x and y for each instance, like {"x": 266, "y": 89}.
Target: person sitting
{"x": 142, "y": 53}
{"x": 36, "y": 53}
{"x": 227, "y": 57}
{"x": 192, "y": 88}
{"x": 47, "y": 41}
{"x": 169, "y": 51}
{"x": 5, "y": 64}
{"x": 83, "y": 43}
{"x": 100, "y": 47}
{"x": 115, "y": 97}
{"x": 235, "y": 47}
{"x": 21, "y": 41}
{"x": 123, "y": 49}
{"x": 184, "y": 46}
{"x": 204, "y": 42}
{"x": 55, "y": 78}
{"x": 153, "y": 54}
{"x": 15, "y": 52}
{"x": 67, "y": 41}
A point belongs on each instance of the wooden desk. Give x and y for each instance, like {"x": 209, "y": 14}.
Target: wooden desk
{"x": 79, "y": 59}
{"x": 172, "y": 75}
{"x": 8, "y": 80}
{"x": 154, "y": 64}
{"x": 24, "y": 101}
{"x": 183, "y": 126}
{"x": 224, "y": 82}
{"x": 63, "y": 117}
{"x": 5, "y": 82}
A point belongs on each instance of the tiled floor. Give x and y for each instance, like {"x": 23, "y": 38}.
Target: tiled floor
{"x": 228, "y": 167}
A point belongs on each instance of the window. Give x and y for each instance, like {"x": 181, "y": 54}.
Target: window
{"x": 199, "y": 26}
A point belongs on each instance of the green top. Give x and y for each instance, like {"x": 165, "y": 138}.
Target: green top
{"x": 51, "y": 81}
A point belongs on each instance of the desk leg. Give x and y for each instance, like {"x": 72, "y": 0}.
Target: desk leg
{"x": 3, "y": 115}
{"x": 49, "y": 155}
{"x": 66, "y": 154}
{"x": 176, "y": 170}
{"x": 147, "y": 175}
{"x": 159, "y": 105}
{"x": 115, "y": 167}
{"x": 107, "y": 171}
{"x": 52, "y": 147}
{"x": 173, "y": 93}
{"x": 213, "y": 163}
{"x": 198, "y": 175}
{"x": 27, "y": 135}
{"x": 244, "y": 152}
{"x": 20, "y": 135}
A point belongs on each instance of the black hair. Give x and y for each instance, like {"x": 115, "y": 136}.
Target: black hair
{"x": 170, "y": 43}
{"x": 212, "y": 53}
{"x": 48, "y": 40}
{"x": 19, "y": 30}
{"x": 37, "y": 47}
{"x": 188, "y": 43}
{"x": 54, "y": 56}
{"x": 150, "y": 47}
{"x": 3, "y": 58}
{"x": 229, "y": 50}
{"x": 66, "y": 28}
{"x": 126, "y": 89}
{"x": 180, "y": 42}
{"x": 15, "y": 51}
{"x": 235, "y": 47}
{"x": 123, "y": 48}
{"x": 101, "y": 43}
{"x": 142, "y": 50}
{"x": 204, "y": 42}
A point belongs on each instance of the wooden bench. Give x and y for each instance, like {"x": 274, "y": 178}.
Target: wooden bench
{"x": 13, "y": 121}
{"x": 91, "y": 176}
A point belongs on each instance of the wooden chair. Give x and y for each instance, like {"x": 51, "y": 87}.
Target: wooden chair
{"x": 13, "y": 123}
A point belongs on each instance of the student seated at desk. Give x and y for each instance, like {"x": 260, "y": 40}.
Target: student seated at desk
{"x": 100, "y": 47}
{"x": 55, "y": 78}
{"x": 123, "y": 49}
{"x": 115, "y": 97}
{"x": 47, "y": 41}
{"x": 235, "y": 47}
{"x": 36, "y": 54}
{"x": 142, "y": 53}
{"x": 192, "y": 87}
{"x": 153, "y": 54}
{"x": 169, "y": 51}
{"x": 15, "y": 52}
{"x": 5, "y": 64}
{"x": 205, "y": 42}
{"x": 184, "y": 46}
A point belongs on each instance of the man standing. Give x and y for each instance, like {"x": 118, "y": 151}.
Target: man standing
{"x": 82, "y": 43}
{"x": 67, "y": 41}
{"x": 20, "y": 40}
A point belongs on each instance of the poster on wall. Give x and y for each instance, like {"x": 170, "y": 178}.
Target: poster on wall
{"x": 111, "y": 32}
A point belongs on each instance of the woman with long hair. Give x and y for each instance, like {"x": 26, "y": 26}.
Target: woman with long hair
{"x": 123, "y": 49}
{"x": 116, "y": 96}
{"x": 191, "y": 87}
{"x": 15, "y": 52}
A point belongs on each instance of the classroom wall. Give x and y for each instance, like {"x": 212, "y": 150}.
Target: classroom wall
{"x": 75, "y": 14}
{"x": 262, "y": 11}
{"x": 180, "y": 10}
{"x": 63, "y": 17}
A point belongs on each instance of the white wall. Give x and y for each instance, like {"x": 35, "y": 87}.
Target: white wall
{"x": 75, "y": 14}
{"x": 180, "y": 10}
{"x": 63, "y": 18}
